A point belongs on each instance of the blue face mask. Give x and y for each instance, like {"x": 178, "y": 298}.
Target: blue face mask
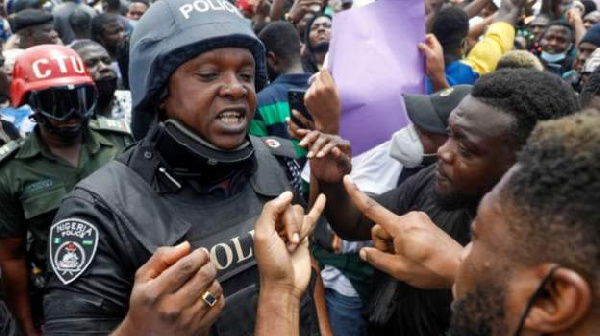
{"x": 553, "y": 58}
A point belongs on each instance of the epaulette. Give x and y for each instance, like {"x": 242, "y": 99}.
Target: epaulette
{"x": 280, "y": 147}
{"x": 10, "y": 148}
{"x": 112, "y": 125}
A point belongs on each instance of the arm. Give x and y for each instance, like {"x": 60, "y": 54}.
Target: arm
{"x": 15, "y": 278}
{"x": 498, "y": 40}
{"x": 434, "y": 62}
{"x": 575, "y": 19}
{"x": 277, "y": 10}
{"x": 433, "y": 7}
{"x": 476, "y": 6}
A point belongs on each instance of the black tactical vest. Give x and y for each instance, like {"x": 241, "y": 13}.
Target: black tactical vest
{"x": 224, "y": 227}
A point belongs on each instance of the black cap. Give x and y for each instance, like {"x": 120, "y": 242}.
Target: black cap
{"x": 431, "y": 112}
{"x": 30, "y": 17}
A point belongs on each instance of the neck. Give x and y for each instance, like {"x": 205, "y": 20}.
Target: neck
{"x": 320, "y": 58}
{"x": 296, "y": 68}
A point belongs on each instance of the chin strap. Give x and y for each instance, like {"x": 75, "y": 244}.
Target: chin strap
{"x": 187, "y": 155}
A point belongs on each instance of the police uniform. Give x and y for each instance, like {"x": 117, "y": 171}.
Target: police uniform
{"x": 114, "y": 220}
{"x": 33, "y": 180}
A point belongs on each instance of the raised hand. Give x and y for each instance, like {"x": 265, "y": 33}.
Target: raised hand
{"x": 174, "y": 293}
{"x": 329, "y": 155}
{"x": 411, "y": 248}
{"x": 283, "y": 269}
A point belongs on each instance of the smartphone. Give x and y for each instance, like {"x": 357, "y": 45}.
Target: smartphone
{"x": 296, "y": 102}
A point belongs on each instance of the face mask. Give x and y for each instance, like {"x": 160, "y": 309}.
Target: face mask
{"x": 66, "y": 133}
{"x": 553, "y": 58}
{"x": 533, "y": 299}
{"x": 406, "y": 148}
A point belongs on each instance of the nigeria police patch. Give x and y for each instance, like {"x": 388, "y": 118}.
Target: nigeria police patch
{"x": 73, "y": 244}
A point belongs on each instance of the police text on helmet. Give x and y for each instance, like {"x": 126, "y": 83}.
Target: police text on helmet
{"x": 202, "y": 6}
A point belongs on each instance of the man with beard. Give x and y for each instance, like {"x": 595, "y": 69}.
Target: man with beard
{"x": 316, "y": 42}
{"x": 531, "y": 268}
{"x": 486, "y": 130}
{"x": 35, "y": 173}
{"x": 112, "y": 103}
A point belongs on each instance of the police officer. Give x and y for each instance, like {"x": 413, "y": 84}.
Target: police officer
{"x": 36, "y": 172}
{"x": 197, "y": 180}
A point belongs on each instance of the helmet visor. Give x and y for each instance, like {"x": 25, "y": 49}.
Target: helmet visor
{"x": 64, "y": 103}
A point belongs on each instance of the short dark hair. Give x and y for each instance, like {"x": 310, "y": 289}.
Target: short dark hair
{"x": 591, "y": 88}
{"x": 589, "y": 5}
{"x": 527, "y": 95}
{"x": 283, "y": 40}
{"x": 101, "y": 20}
{"x": 450, "y": 27}
{"x": 144, "y": 2}
{"x": 80, "y": 20}
{"x": 79, "y": 45}
{"x": 564, "y": 25}
{"x": 113, "y": 4}
{"x": 550, "y": 200}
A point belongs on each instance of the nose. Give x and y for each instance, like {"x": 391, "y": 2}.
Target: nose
{"x": 233, "y": 88}
{"x": 444, "y": 152}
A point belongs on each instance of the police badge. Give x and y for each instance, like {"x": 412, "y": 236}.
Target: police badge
{"x": 73, "y": 244}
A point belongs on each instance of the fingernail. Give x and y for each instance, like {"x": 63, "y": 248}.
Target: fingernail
{"x": 295, "y": 238}
{"x": 292, "y": 247}
{"x": 363, "y": 254}
{"x": 205, "y": 250}
{"x": 181, "y": 245}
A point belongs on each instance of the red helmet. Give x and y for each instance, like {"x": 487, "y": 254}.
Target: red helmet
{"x": 47, "y": 66}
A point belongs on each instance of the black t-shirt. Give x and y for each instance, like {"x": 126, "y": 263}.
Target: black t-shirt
{"x": 395, "y": 307}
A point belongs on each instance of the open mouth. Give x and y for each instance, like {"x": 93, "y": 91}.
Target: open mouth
{"x": 232, "y": 116}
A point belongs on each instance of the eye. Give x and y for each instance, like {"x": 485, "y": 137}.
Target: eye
{"x": 207, "y": 76}
{"x": 246, "y": 76}
{"x": 464, "y": 151}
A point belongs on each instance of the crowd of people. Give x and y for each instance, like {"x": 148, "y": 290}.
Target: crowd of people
{"x": 178, "y": 167}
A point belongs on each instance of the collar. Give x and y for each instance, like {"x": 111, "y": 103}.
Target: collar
{"x": 34, "y": 144}
{"x": 297, "y": 79}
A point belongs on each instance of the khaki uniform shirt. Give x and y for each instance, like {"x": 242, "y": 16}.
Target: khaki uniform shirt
{"x": 33, "y": 180}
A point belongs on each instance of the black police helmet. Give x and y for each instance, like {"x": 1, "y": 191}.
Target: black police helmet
{"x": 172, "y": 32}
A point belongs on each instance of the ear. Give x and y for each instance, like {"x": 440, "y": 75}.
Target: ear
{"x": 272, "y": 60}
{"x": 565, "y": 305}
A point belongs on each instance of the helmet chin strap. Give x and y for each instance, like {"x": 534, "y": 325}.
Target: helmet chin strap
{"x": 189, "y": 156}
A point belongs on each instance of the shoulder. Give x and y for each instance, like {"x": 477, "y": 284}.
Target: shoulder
{"x": 9, "y": 149}
{"x": 278, "y": 147}
{"x": 104, "y": 125}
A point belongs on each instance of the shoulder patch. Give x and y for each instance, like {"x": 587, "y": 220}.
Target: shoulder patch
{"x": 10, "y": 148}
{"x": 104, "y": 124}
{"x": 280, "y": 147}
{"x": 73, "y": 243}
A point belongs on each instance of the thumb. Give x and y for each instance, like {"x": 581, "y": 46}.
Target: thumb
{"x": 163, "y": 258}
{"x": 265, "y": 226}
{"x": 385, "y": 262}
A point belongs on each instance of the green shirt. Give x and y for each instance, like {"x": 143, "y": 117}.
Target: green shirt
{"x": 33, "y": 180}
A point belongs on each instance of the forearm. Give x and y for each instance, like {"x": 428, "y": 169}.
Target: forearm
{"x": 15, "y": 279}
{"x": 343, "y": 216}
{"x": 476, "y": 6}
{"x": 579, "y": 31}
{"x": 278, "y": 313}
{"x": 277, "y": 10}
